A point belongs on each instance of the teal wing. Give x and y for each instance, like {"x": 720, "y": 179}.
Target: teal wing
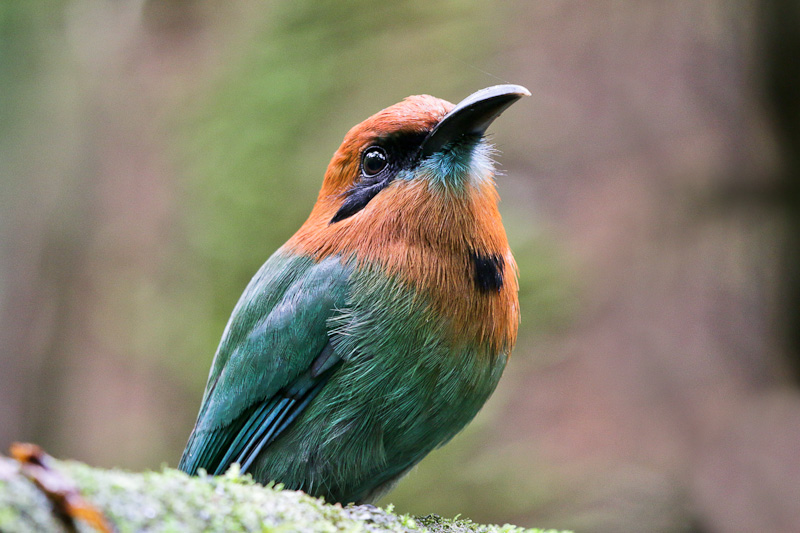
{"x": 274, "y": 358}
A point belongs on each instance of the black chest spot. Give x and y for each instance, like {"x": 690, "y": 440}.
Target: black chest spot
{"x": 488, "y": 272}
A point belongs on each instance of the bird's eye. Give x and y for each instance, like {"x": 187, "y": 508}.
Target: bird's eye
{"x": 374, "y": 160}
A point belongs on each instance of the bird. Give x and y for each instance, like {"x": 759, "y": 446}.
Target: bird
{"x": 382, "y": 326}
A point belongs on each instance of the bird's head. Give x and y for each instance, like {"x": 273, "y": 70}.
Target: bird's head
{"x": 421, "y": 139}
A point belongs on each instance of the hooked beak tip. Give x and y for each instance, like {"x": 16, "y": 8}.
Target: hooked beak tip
{"x": 472, "y": 116}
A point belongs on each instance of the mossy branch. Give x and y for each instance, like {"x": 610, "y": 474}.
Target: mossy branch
{"x": 171, "y": 501}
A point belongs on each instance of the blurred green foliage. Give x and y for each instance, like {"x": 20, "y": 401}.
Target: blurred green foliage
{"x": 23, "y": 60}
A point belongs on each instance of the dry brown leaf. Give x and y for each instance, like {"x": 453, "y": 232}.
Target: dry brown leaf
{"x": 63, "y": 493}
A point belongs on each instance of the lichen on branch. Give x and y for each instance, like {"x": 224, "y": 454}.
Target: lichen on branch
{"x": 171, "y": 501}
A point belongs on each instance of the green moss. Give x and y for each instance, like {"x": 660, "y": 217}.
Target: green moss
{"x": 437, "y": 524}
{"x": 172, "y": 502}
{"x": 22, "y": 506}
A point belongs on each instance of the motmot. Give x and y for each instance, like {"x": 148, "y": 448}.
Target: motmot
{"x": 380, "y": 328}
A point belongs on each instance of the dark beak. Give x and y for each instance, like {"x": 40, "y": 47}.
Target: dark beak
{"x": 472, "y": 116}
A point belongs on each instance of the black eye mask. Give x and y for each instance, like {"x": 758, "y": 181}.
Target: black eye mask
{"x": 400, "y": 152}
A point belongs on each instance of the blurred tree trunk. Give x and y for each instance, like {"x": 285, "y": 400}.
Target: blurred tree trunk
{"x": 42, "y": 231}
{"x": 779, "y": 38}
{"x": 87, "y": 212}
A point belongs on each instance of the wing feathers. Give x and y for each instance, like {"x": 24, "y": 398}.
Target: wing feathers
{"x": 264, "y": 422}
{"x": 243, "y": 437}
{"x": 274, "y": 358}
{"x": 293, "y": 402}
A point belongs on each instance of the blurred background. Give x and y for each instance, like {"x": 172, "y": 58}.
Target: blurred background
{"x": 153, "y": 153}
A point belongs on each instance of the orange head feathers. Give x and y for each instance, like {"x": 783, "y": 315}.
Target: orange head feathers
{"x": 415, "y": 117}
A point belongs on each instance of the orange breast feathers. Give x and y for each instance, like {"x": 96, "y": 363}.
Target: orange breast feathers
{"x": 426, "y": 238}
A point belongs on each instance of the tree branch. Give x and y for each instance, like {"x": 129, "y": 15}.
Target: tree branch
{"x": 172, "y": 501}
